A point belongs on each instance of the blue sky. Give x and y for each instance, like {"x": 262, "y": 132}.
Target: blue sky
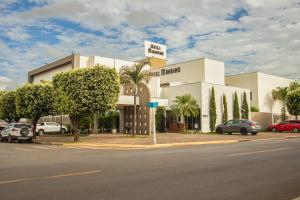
{"x": 248, "y": 35}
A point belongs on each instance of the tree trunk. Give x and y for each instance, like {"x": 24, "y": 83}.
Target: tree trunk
{"x": 34, "y": 122}
{"x": 134, "y": 111}
{"x": 61, "y": 121}
{"x": 95, "y": 128}
{"x": 181, "y": 118}
{"x": 76, "y": 127}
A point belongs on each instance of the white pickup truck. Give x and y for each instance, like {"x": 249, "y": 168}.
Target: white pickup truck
{"x": 50, "y": 127}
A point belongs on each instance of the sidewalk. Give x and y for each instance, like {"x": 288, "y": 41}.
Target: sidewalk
{"x": 163, "y": 140}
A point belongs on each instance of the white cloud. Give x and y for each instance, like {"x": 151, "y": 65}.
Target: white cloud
{"x": 267, "y": 40}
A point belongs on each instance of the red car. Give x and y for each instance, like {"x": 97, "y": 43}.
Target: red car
{"x": 291, "y": 125}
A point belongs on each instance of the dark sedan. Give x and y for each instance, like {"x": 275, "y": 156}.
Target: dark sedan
{"x": 238, "y": 126}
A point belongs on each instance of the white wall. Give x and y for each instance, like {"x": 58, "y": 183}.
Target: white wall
{"x": 201, "y": 92}
{"x": 47, "y": 76}
{"x": 219, "y": 91}
{"x": 214, "y": 72}
{"x": 261, "y": 86}
{"x": 248, "y": 81}
{"x": 171, "y": 92}
{"x": 266, "y": 83}
{"x": 199, "y": 70}
{"x": 190, "y": 72}
{"x": 110, "y": 62}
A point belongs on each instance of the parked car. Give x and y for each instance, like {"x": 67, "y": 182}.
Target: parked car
{"x": 50, "y": 127}
{"x": 291, "y": 125}
{"x": 2, "y": 127}
{"x": 238, "y": 126}
{"x": 17, "y": 131}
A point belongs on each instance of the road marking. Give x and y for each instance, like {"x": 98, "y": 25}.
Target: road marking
{"x": 50, "y": 177}
{"x": 46, "y": 148}
{"x": 255, "y": 152}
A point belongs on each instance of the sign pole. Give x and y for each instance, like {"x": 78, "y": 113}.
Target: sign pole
{"x": 153, "y": 106}
{"x": 154, "y": 125}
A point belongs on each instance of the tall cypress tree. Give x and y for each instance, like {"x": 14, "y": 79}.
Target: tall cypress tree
{"x": 236, "y": 107}
{"x": 225, "y": 113}
{"x": 245, "y": 107}
{"x": 212, "y": 110}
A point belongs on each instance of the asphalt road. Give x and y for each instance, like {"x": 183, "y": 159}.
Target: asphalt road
{"x": 247, "y": 170}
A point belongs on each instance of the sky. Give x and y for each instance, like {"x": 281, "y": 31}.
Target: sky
{"x": 248, "y": 35}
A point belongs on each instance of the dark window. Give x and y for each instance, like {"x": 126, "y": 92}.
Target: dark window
{"x": 22, "y": 126}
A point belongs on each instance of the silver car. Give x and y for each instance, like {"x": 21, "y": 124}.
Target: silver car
{"x": 17, "y": 131}
{"x": 242, "y": 126}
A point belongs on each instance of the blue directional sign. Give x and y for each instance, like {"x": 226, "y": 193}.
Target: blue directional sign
{"x": 152, "y": 104}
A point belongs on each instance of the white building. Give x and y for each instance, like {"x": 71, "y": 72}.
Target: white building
{"x": 195, "y": 77}
{"x": 261, "y": 86}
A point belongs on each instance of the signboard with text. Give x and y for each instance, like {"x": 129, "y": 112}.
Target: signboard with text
{"x": 152, "y": 104}
{"x": 156, "y": 50}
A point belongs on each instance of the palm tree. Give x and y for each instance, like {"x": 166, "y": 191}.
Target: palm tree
{"x": 136, "y": 76}
{"x": 280, "y": 93}
{"x": 294, "y": 85}
{"x": 185, "y": 106}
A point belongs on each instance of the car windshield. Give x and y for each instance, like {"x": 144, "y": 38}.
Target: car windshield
{"x": 294, "y": 122}
{"x": 22, "y": 126}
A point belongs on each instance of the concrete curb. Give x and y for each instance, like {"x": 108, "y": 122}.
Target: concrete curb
{"x": 135, "y": 146}
{"x": 150, "y": 146}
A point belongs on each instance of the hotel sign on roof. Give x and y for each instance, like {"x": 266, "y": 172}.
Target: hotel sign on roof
{"x": 156, "y": 50}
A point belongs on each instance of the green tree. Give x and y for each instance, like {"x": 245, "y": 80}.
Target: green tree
{"x": 34, "y": 101}
{"x": 86, "y": 91}
{"x": 59, "y": 104}
{"x": 160, "y": 119}
{"x": 225, "y": 112}
{"x": 294, "y": 85}
{"x": 254, "y": 109}
{"x": 245, "y": 107}
{"x": 136, "y": 76}
{"x": 8, "y": 110}
{"x": 185, "y": 106}
{"x": 280, "y": 93}
{"x": 212, "y": 110}
{"x": 293, "y": 102}
{"x": 236, "y": 107}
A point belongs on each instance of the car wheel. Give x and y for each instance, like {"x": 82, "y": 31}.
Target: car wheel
{"x": 219, "y": 131}
{"x": 1, "y": 138}
{"x": 29, "y": 140}
{"x": 254, "y": 133}
{"x": 243, "y": 131}
{"x": 41, "y": 132}
{"x": 9, "y": 139}
{"x": 274, "y": 130}
{"x": 63, "y": 131}
{"x": 295, "y": 130}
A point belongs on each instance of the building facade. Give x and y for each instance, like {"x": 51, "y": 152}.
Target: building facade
{"x": 261, "y": 86}
{"x": 196, "y": 77}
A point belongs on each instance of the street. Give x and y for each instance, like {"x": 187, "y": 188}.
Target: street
{"x": 266, "y": 169}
